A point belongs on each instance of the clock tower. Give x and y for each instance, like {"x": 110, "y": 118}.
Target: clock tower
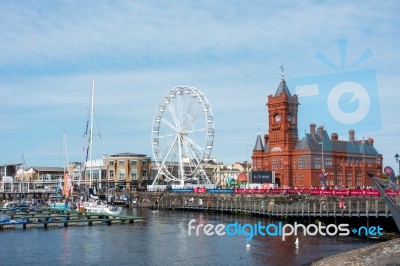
{"x": 276, "y": 152}
{"x": 282, "y": 119}
{"x": 298, "y": 162}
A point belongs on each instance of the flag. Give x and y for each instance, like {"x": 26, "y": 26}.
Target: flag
{"x": 66, "y": 186}
{"x": 390, "y": 173}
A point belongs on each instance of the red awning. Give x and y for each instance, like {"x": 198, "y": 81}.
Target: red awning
{"x": 242, "y": 177}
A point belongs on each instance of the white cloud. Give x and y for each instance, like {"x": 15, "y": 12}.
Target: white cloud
{"x": 138, "y": 50}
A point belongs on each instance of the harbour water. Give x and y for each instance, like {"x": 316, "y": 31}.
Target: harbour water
{"x": 163, "y": 239}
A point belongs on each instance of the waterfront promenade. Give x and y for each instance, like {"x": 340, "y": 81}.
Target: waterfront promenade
{"x": 364, "y": 209}
{"x": 271, "y": 205}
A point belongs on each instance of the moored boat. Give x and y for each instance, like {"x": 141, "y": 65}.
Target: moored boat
{"x": 58, "y": 203}
{"x": 101, "y": 208}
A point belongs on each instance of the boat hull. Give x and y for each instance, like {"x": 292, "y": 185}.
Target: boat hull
{"x": 100, "y": 208}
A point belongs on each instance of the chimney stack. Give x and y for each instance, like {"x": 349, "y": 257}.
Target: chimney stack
{"x": 321, "y": 132}
{"x": 351, "y": 135}
{"x": 266, "y": 139}
{"x": 312, "y": 129}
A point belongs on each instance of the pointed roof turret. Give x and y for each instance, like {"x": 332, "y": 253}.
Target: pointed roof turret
{"x": 282, "y": 88}
{"x": 259, "y": 144}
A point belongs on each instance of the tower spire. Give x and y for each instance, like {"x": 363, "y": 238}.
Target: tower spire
{"x": 282, "y": 88}
{"x": 259, "y": 144}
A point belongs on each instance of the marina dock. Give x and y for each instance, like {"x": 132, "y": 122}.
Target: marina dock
{"x": 59, "y": 218}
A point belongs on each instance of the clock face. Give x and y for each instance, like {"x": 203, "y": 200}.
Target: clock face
{"x": 277, "y": 118}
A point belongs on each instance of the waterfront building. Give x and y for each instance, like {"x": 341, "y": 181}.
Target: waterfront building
{"x": 231, "y": 175}
{"x": 34, "y": 179}
{"x": 300, "y": 162}
{"x": 119, "y": 171}
{"x": 7, "y": 174}
{"x": 218, "y": 173}
{"x": 75, "y": 170}
{"x": 127, "y": 170}
{"x": 90, "y": 173}
{"x": 209, "y": 170}
{"x": 43, "y": 176}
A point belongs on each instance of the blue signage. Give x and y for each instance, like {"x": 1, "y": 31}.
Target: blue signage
{"x": 181, "y": 190}
{"x": 220, "y": 191}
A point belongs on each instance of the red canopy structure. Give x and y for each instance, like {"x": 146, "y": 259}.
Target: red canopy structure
{"x": 242, "y": 178}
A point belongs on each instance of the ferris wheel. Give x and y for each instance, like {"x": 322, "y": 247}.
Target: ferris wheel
{"x": 182, "y": 135}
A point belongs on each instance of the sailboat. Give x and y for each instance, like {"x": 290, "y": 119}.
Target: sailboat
{"x": 58, "y": 201}
{"x": 68, "y": 189}
{"x": 94, "y": 205}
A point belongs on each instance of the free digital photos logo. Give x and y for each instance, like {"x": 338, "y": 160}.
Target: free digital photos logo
{"x": 279, "y": 230}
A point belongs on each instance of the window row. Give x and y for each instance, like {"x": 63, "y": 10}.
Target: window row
{"x": 132, "y": 163}
{"x": 122, "y": 175}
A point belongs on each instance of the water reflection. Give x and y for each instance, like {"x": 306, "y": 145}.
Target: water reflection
{"x": 261, "y": 250}
{"x": 163, "y": 240}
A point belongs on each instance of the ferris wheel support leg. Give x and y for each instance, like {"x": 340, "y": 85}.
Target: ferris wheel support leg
{"x": 182, "y": 170}
{"x": 156, "y": 179}
{"x": 208, "y": 181}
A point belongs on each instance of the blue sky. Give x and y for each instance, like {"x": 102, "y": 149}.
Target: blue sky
{"x": 230, "y": 50}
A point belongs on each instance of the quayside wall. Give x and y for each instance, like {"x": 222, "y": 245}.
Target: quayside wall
{"x": 357, "y": 211}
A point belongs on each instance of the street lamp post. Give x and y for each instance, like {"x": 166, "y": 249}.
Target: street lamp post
{"x": 397, "y": 157}
{"x": 247, "y": 156}
{"x": 247, "y": 164}
{"x": 322, "y": 159}
{"x": 322, "y": 153}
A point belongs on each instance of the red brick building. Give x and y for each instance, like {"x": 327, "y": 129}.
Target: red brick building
{"x": 298, "y": 162}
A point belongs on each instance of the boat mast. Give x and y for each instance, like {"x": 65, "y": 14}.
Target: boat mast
{"x": 66, "y": 153}
{"x": 23, "y": 173}
{"x": 91, "y": 136}
{"x": 67, "y": 178}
